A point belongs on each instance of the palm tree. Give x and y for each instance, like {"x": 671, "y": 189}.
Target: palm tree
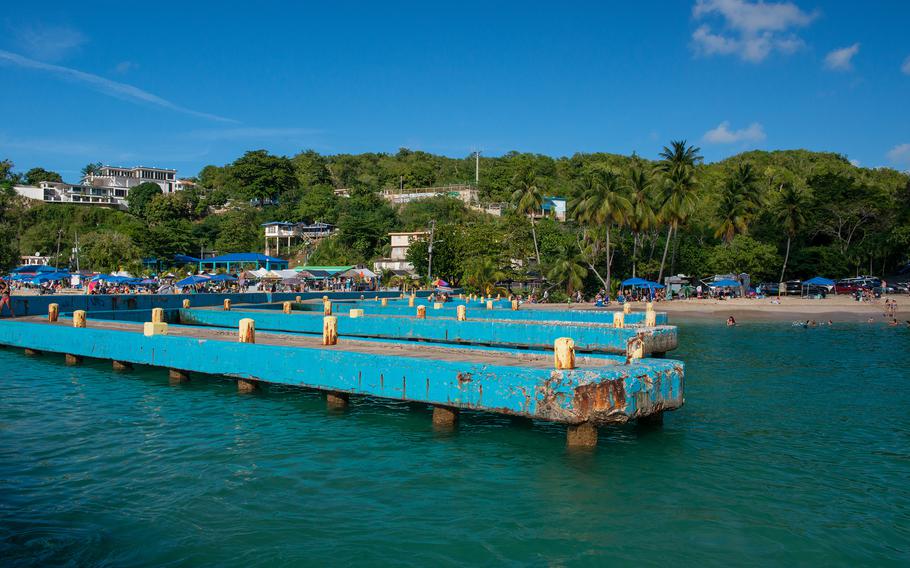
{"x": 483, "y": 273}
{"x": 527, "y": 197}
{"x": 678, "y": 196}
{"x": 790, "y": 215}
{"x": 568, "y": 270}
{"x": 640, "y": 184}
{"x": 740, "y": 201}
{"x": 731, "y": 219}
{"x": 601, "y": 205}
{"x": 91, "y": 170}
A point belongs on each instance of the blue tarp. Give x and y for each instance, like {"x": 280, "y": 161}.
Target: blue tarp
{"x": 819, "y": 281}
{"x": 189, "y": 281}
{"x": 725, "y": 284}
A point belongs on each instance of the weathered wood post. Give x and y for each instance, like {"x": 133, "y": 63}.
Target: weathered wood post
{"x": 627, "y": 308}
{"x": 411, "y": 301}
{"x": 121, "y": 365}
{"x": 79, "y": 318}
{"x": 437, "y": 305}
{"x": 31, "y": 352}
{"x": 582, "y": 435}
{"x": 157, "y": 315}
{"x": 186, "y": 304}
{"x": 445, "y": 416}
{"x": 619, "y": 320}
{"x": 53, "y": 312}
{"x": 330, "y": 330}
{"x": 385, "y": 302}
{"x": 462, "y": 313}
{"x": 564, "y": 353}
{"x": 355, "y": 313}
{"x": 489, "y": 304}
{"x": 286, "y": 307}
{"x": 71, "y": 359}
{"x": 298, "y": 299}
{"x": 336, "y": 400}
{"x": 421, "y": 312}
{"x": 650, "y": 315}
{"x": 326, "y": 307}
{"x": 514, "y": 305}
{"x": 498, "y": 297}
{"x": 227, "y": 304}
{"x": 247, "y": 331}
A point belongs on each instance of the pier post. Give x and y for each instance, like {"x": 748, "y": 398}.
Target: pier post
{"x": 514, "y": 305}
{"x": 445, "y": 416}
{"x": 385, "y": 302}
{"x": 355, "y": 313}
{"x": 157, "y": 315}
{"x": 627, "y": 308}
{"x": 247, "y": 333}
{"x": 286, "y": 307}
{"x": 619, "y": 320}
{"x": 79, "y": 318}
{"x": 336, "y": 400}
{"x": 227, "y": 304}
{"x": 246, "y": 386}
{"x": 121, "y": 365}
{"x": 582, "y": 435}
{"x": 489, "y": 304}
{"x": 31, "y": 352}
{"x": 421, "y": 312}
{"x": 150, "y": 329}
{"x": 186, "y": 304}
{"x": 411, "y": 301}
{"x": 650, "y": 315}
{"x": 176, "y": 376}
{"x": 462, "y": 313}
{"x": 326, "y": 307}
{"x": 437, "y": 305}
{"x": 297, "y": 299}
{"x": 330, "y": 330}
{"x": 71, "y": 359}
{"x": 564, "y": 353}
{"x": 53, "y": 311}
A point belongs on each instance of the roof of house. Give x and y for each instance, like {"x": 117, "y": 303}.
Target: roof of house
{"x": 244, "y": 257}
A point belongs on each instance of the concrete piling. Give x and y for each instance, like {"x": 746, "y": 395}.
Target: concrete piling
{"x": 298, "y": 299}
{"x": 650, "y": 315}
{"x": 445, "y": 416}
{"x": 330, "y": 330}
{"x": 564, "y": 353}
{"x": 176, "y": 376}
{"x": 336, "y": 400}
{"x": 627, "y": 308}
{"x": 71, "y": 359}
{"x": 121, "y": 365}
{"x": 410, "y": 301}
{"x": 385, "y": 302}
{"x": 462, "y": 312}
{"x": 154, "y": 328}
{"x": 186, "y": 304}
{"x": 619, "y": 320}
{"x": 53, "y": 312}
{"x": 246, "y": 386}
{"x": 286, "y": 307}
{"x": 31, "y": 352}
{"x": 79, "y": 318}
{"x": 326, "y": 307}
{"x": 247, "y": 331}
{"x": 157, "y": 315}
{"x": 489, "y": 304}
{"x": 227, "y": 304}
{"x": 437, "y": 305}
{"x": 421, "y": 312}
{"x": 582, "y": 435}
{"x": 514, "y": 305}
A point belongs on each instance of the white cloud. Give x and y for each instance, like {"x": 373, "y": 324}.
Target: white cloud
{"x": 723, "y": 135}
{"x": 900, "y": 155}
{"x": 906, "y": 66}
{"x": 47, "y": 42}
{"x": 749, "y": 30}
{"x": 841, "y": 59}
{"x": 105, "y": 86}
{"x": 125, "y": 67}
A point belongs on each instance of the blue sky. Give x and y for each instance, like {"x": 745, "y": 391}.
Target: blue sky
{"x": 185, "y": 84}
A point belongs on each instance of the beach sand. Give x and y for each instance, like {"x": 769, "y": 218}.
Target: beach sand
{"x": 834, "y": 308}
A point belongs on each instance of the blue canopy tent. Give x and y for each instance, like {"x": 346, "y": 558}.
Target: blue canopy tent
{"x": 50, "y": 277}
{"x": 111, "y": 278}
{"x": 635, "y": 282}
{"x": 817, "y": 281}
{"x": 223, "y": 278}
{"x": 192, "y": 280}
{"x": 725, "y": 284}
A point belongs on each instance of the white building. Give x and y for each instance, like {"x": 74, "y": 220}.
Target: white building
{"x": 466, "y": 193}
{"x": 401, "y": 243}
{"x": 288, "y": 234}
{"x": 126, "y": 178}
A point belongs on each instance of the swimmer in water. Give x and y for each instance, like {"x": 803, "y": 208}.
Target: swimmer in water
{"x": 731, "y": 321}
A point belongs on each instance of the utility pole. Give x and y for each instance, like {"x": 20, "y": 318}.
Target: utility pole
{"x": 76, "y": 250}
{"x": 430, "y": 251}
{"x": 57, "y": 256}
{"x": 477, "y": 167}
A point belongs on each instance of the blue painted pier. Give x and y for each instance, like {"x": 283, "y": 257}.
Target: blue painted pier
{"x": 375, "y": 323}
{"x": 583, "y": 391}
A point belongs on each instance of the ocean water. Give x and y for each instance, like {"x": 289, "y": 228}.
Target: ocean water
{"x": 793, "y": 448}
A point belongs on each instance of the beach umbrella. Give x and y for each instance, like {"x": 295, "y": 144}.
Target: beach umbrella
{"x": 222, "y": 278}
{"x": 191, "y": 280}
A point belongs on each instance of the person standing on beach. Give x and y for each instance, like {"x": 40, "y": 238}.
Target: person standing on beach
{"x": 5, "y": 298}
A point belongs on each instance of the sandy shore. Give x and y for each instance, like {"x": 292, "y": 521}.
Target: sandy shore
{"x": 834, "y": 308}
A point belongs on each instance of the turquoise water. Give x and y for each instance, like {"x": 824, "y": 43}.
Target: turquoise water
{"x": 793, "y": 448}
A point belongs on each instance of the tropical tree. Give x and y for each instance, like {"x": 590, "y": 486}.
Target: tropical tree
{"x": 678, "y": 188}
{"x": 91, "y": 170}
{"x": 567, "y": 270}
{"x": 36, "y": 175}
{"x": 527, "y": 197}
{"x": 791, "y": 215}
{"x": 640, "y": 185}
{"x": 602, "y": 205}
{"x": 483, "y": 274}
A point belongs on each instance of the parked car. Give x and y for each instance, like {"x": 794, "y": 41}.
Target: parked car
{"x": 791, "y": 287}
{"x": 851, "y": 285}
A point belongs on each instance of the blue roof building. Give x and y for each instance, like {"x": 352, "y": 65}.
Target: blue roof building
{"x": 241, "y": 260}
